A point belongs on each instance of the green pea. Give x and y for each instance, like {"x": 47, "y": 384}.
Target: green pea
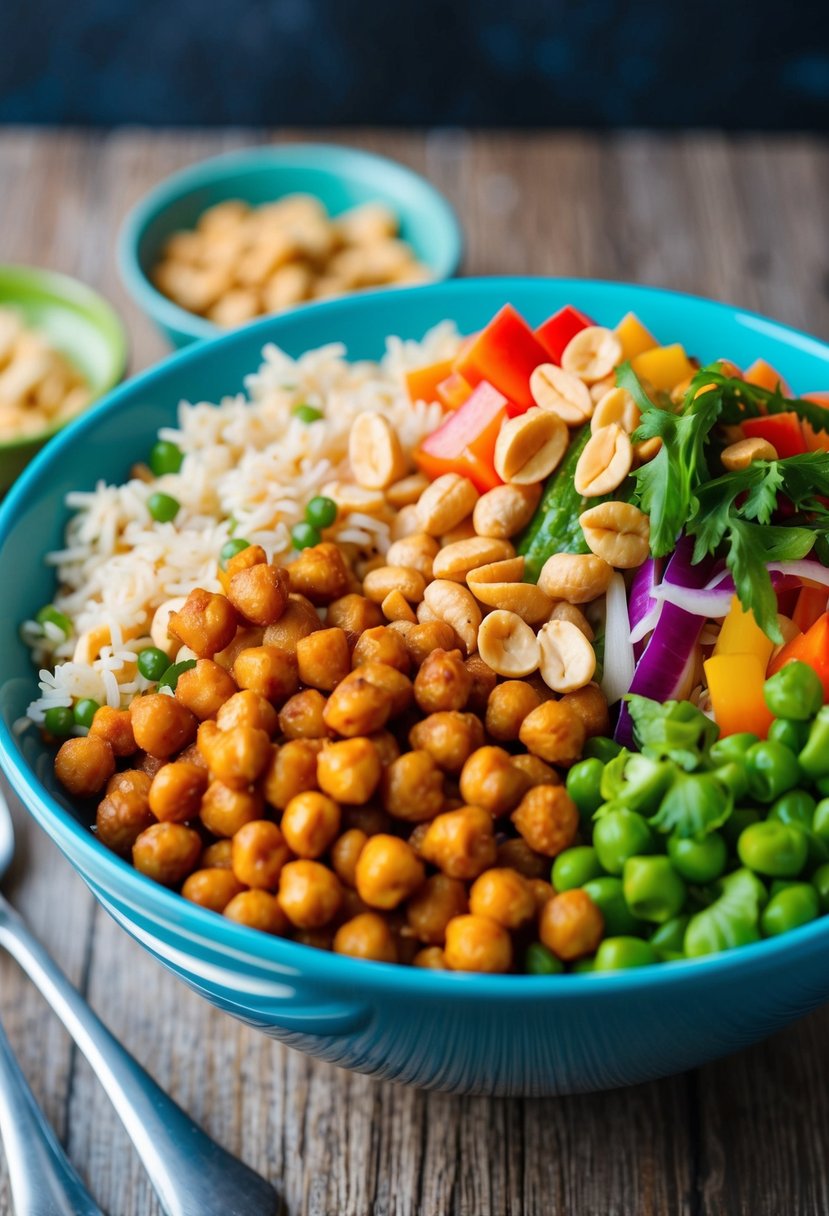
{"x": 230, "y": 548}
{"x": 583, "y": 965}
{"x": 84, "y": 711}
{"x": 602, "y": 749}
{"x": 304, "y": 535}
{"x": 796, "y": 806}
{"x": 734, "y": 778}
{"x": 791, "y": 734}
{"x": 698, "y": 860}
{"x": 653, "y": 890}
{"x": 51, "y": 615}
{"x": 814, "y": 758}
{"x": 165, "y": 457}
{"x": 668, "y": 939}
{"x": 540, "y": 961}
{"x": 771, "y": 769}
{"x": 716, "y": 929}
{"x": 621, "y": 953}
{"x": 822, "y": 786}
{"x": 583, "y": 785}
{"x": 152, "y": 663}
{"x": 163, "y": 507}
{"x": 790, "y": 908}
{"x": 739, "y": 818}
{"x": 820, "y": 820}
{"x": 608, "y": 895}
{"x": 772, "y": 848}
{"x": 618, "y": 835}
{"x": 171, "y": 675}
{"x": 731, "y": 749}
{"x": 306, "y": 413}
{"x": 59, "y": 721}
{"x": 574, "y": 867}
{"x": 794, "y": 692}
{"x": 321, "y": 512}
{"x": 820, "y": 881}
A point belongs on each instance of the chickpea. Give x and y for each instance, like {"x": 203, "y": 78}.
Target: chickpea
{"x": 246, "y": 636}
{"x": 396, "y": 607}
{"x": 508, "y": 705}
{"x": 83, "y": 766}
{"x": 547, "y": 819}
{"x": 354, "y": 614}
{"x": 413, "y": 787}
{"x": 310, "y": 823}
{"x": 504, "y": 896}
{"x": 349, "y": 771}
{"x": 317, "y": 939}
{"x": 166, "y": 852}
{"x": 309, "y": 894}
{"x": 259, "y": 594}
{"x": 421, "y": 639}
{"x": 253, "y": 555}
{"x": 224, "y": 810}
{"x": 432, "y": 958}
{"x": 490, "y": 780}
{"x": 542, "y": 891}
{"x": 535, "y": 770}
{"x": 292, "y": 769}
{"x": 114, "y": 726}
{"x": 476, "y": 943}
{"x": 301, "y": 717}
{"x": 571, "y": 925}
{"x": 151, "y": 764}
{"x": 345, "y": 853}
{"x": 460, "y": 843}
{"x": 382, "y": 645}
{"x": 259, "y": 852}
{"x": 320, "y": 574}
{"x": 162, "y": 725}
{"x": 590, "y": 705}
{"x": 212, "y": 888}
{"x": 449, "y": 738}
{"x": 237, "y": 757}
{"x": 124, "y": 813}
{"x": 442, "y": 683}
{"x": 205, "y": 688}
{"x": 297, "y": 621}
{"x": 351, "y": 906}
{"x": 388, "y": 871}
{"x": 258, "y": 910}
{"x": 357, "y": 707}
{"x": 516, "y": 854}
{"x": 372, "y": 820}
{"x": 483, "y": 680}
{"x": 366, "y": 936}
{"x": 247, "y": 708}
{"x": 389, "y": 680}
{"x": 430, "y": 909}
{"x": 218, "y": 855}
{"x": 268, "y": 671}
{"x": 206, "y": 623}
{"x": 323, "y": 658}
{"x": 386, "y": 746}
{"x": 555, "y": 732}
{"x": 176, "y": 792}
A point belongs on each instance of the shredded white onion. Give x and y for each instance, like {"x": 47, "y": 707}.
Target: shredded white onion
{"x": 699, "y": 601}
{"x": 618, "y": 649}
{"x": 647, "y": 624}
{"x": 809, "y": 571}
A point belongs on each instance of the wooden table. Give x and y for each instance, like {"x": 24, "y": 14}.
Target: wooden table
{"x": 743, "y": 221}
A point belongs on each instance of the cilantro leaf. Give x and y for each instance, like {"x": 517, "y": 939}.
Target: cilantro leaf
{"x": 741, "y": 400}
{"x": 751, "y": 547}
{"x": 676, "y": 730}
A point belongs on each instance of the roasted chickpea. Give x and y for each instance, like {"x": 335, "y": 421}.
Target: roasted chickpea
{"x": 205, "y": 688}
{"x": 536, "y": 770}
{"x": 224, "y": 810}
{"x": 268, "y": 671}
{"x": 309, "y": 894}
{"x": 124, "y": 813}
{"x": 212, "y": 888}
{"x": 354, "y": 614}
{"x": 292, "y": 769}
{"x": 310, "y": 823}
{"x": 301, "y": 717}
{"x": 83, "y": 766}
{"x": 245, "y": 638}
{"x": 320, "y": 573}
{"x": 162, "y": 725}
{"x": 218, "y": 855}
{"x": 151, "y": 764}
{"x": 357, "y": 707}
{"x": 259, "y": 852}
{"x": 589, "y": 704}
{"x": 323, "y": 658}
{"x": 252, "y": 555}
{"x": 389, "y": 680}
{"x": 344, "y": 855}
{"x": 388, "y": 871}
{"x": 443, "y": 682}
{"x": 421, "y": 639}
{"x": 461, "y": 842}
{"x": 176, "y": 792}
{"x": 507, "y": 707}
{"x": 349, "y": 771}
{"x": 297, "y": 621}
{"x": 504, "y": 896}
{"x": 369, "y": 819}
{"x": 490, "y": 780}
{"x": 413, "y": 787}
{"x": 248, "y": 708}
{"x": 476, "y": 943}
{"x": 431, "y": 908}
{"x": 571, "y": 925}
{"x": 483, "y": 680}
{"x": 366, "y": 936}
{"x": 432, "y": 958}
{"x": 237, "y": 757}
{"x": 542, "y": 891}
{"x": 206, "y": 623}
{"x": 382, "y": 645}
{"x": 547, "y": 819}
{"x": 259, "y": 594}
{"x": 449, "y": 738}
{"x": 516, "y": 854}
{"x": 554, "y": 732}
{"x": 114, "y": 726}
{"x": 166, "y": 852}
{"x": 258, "y": 910}
{"x": 387, "y": 747}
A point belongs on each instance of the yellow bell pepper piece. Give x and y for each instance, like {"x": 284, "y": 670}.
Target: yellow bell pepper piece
{"x": 664, "y": 366}
{"x": 634, "y": 337}
{"x": 740, "y": 634}
{"x": 735, "y": 685}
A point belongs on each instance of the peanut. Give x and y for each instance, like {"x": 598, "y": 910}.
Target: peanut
{"x": 567, "y": 658}
{"x": 592, "y": 353}
{"x": 616, "y": 406}
{"x": 350, "y": 497}
{"x": 446, "y": 502}
{"x": 379, "y": 583}
{"x": 505, "y": 510}
{"x": 396, "y": 608}
{"x": 605, "y": 462}
{"x": 456, "y": 560}
{"x": 530, "y": 446}
{"x": 618, "y": 532}
{"x": 575, "y": 577}
{"x": 744, "y": 452}
{"x": 450, "y": 602}
{"x": 406, "y": 491}
{"x": 498, "y": 585}
{"x": 417, "y": 551}
{"x": 507, "y": 644}
{"x": 374, "y": 452}
{"x": 556, "y": 390}
{"x": 569, "y": 612}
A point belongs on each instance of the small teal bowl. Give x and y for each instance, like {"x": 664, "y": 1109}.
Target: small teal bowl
{"x": 460, "y": 1033}
{"x": 340, "y": 177}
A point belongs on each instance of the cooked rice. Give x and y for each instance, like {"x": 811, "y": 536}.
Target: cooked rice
{"x": 248, "y": 460}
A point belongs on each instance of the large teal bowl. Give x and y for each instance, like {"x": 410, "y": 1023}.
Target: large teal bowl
{"x": 341, "y": 177}
{"x": 464, "y": 1033}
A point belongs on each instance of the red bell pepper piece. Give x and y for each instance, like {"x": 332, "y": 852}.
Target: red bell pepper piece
{"x": 422, "y": 382}
{"x": 453, "y": 391}
{"x": 811, "y": 647}
{"x": 811, "y": 603}
{"x": 816, "y": 441}
{"x": 465, "y": 442}
{"x": 782, "y": 431}
{"x": 558, "y": 329}
{"x": 505, "y": 353}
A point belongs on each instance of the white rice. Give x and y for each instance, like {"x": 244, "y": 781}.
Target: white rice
{"x": 247, "y": 459}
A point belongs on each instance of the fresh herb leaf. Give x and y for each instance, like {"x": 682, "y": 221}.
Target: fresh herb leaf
{"x": 673, "y": 730}
{"x": 741, "y": 400}
{"x": 751, "y": 547}
{"x": 695, "y": 804}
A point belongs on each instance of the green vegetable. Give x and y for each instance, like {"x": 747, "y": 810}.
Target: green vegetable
{"x": 653, "y": 890}
{"x": 794, "y": 692}
{"x": 791, "y": 734}
{"x": 608, "y": 895}
{"x": 321, "y": 512}
{"x": 574, "y": 867}
{"x": 171, "y": 675}
{"x": 698, "y": 860}
{"x": 59, "y": 721}
{"x": 814, "y": 759}
{"x": 636, "y": 782}
{"x": 739, "y": 818}
{"x": 230, "y": 548}
{"x": 163, "y": 507}
{"x": 820, "y": 881}
{"x": 620, "y": 953}
{"x": 618, "y": 835}
{"x": 152, "y": 663}
{"x": 555, "y": 527}
{"x": 668, "y": 939}
{"x": 790, "y": 908}
{"x": 165, "y": 457}
{"x": 540, "y": 961}
{"x": 53, "y": 616}
{"x": 731, "y": 749}
{"x": 84, "y": 711}
{"x": 599, "y": 748}
{"x": 584, "y": 786}
{"x": 771, "y": 770}
{"x": 583, "y": 965}
{"x": 774, "y": 849}
{"x": 304, "y": 535}
{"x": 796, "y": 806}
{"x": 733, "y": 777}
{"x": 673, "y": 730}
{"x": 307, "y": 413}
{"x": 820, "y": 820}
{"x": 696, "y": 803}
{"x": 731, "y": 920}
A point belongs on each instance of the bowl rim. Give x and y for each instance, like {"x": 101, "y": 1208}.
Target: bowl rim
{"x": 67, "y": 287}
{"x": 259, "y": 156}
{"x": 307, "y": 962}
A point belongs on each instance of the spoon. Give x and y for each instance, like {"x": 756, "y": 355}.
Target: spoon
{"x": 192, "y": 1175}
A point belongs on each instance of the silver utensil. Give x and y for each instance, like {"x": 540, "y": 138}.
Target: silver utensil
{"x": 192, "y": 1175}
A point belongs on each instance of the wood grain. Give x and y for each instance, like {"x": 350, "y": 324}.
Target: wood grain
{"x": 741, "y": 220}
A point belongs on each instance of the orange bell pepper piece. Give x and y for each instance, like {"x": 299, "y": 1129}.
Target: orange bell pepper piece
{"x": 633, "y": 335}
{"x": 811, "y": 647}
{"x": 505, "y": 354}
{"x": 782, "y": 431}
{"x": 422, "y": 382}
{"x": 764, "y": 376}
{"x": 735, "y": 685}
{"x": 558, "y": 329}
{"x": 664, "y": 366}
{"x": 465, "y": 442}
{"x": 811, "y": 604}
{"x": 453, "y": 391}
{"x": 816, "y": 441}
{"x": 740, "y": 634}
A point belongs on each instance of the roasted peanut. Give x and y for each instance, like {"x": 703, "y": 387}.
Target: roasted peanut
{"x": 554, "y": 732}
{"x": 561, "y": 393}
{"x": 530, "y": 446}
{"x": 456, "y": 560}
{"x": 349, "y": 771}
{"x": 744, "y": 452}
{"x": 568, "y": 661}
{"x": 617, "y": 406}
{"x": 405, "y": 523}
{"x": 374, "y": 452}
{"x": 490, "y": 780}
{"x": 406, "y": 491}
{"x": 159, "y": 628}
{"x": 413, "y": 787}
{"x": 605, "y": 462}
{"x": 416, "y": 552}
{"x": 379, "y": 583}
{"x": 547, "y": 819}
{"x": 507, "y": 644}
{"x": 396, "y": 607}
{"x": 505, "y": 510}
{"x": 569, "y": 612}
{"x": 617, "y": 532}
{"x": 350, "y": 497}
{"x": 499, "y": 585}
{"x": 449, "y": 737}
{"x": 205, "y": 622}
{"x": 456, "y": 606}
{"x": 507, "y": 707}
{"x": 592, "y": 353}
{"x": 447, "y": 501}
{"x": 646, "y": 450}
{"x": 575, "y": 577}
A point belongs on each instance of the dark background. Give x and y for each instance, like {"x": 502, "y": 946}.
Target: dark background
{"x": 761, "y": 65}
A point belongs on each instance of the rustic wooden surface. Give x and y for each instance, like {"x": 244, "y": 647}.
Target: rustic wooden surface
{"x": 741, "y": 221}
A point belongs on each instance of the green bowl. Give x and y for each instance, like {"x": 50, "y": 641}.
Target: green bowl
{"x": 80, "y": 324}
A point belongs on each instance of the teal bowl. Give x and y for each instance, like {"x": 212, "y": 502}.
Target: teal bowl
{"x": 340, "y": 177}
{"x": 454, "y": 1032}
